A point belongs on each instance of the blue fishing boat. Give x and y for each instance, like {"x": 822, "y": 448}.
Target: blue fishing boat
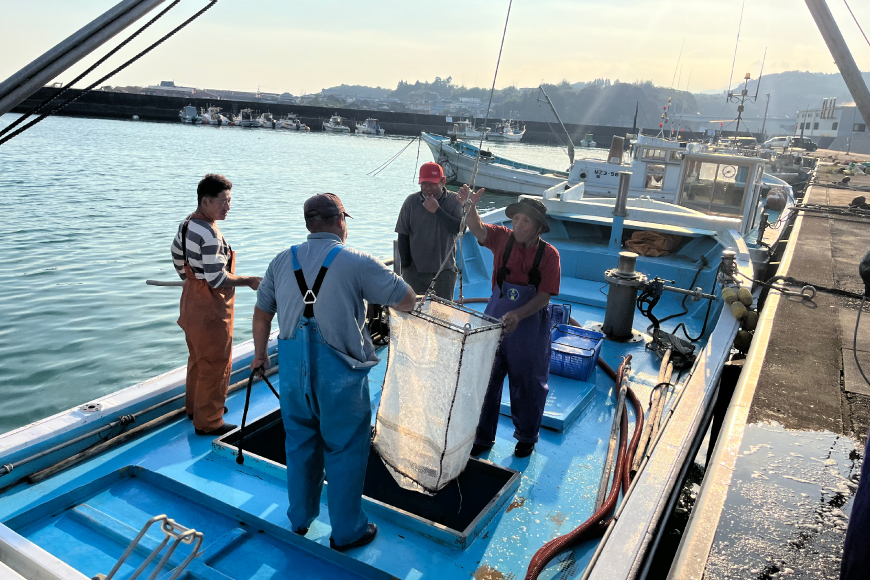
{"x": 121, "y": 487}
{"x": 122, "y": 484}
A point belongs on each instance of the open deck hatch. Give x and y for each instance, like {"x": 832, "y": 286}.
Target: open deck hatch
{"x": 455, "y": 515}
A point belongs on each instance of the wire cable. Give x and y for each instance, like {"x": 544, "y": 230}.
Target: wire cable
{"x": 90, "y": 69}
{"x": 100, "y": 81}
{"x": 491, "y": 93}
{"x": 862, "y": 33}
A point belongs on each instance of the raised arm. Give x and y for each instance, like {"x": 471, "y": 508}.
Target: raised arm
{"x": 473, "y": 221}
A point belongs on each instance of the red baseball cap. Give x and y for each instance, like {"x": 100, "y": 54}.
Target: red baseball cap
{"x": 432, "y": 172}
{"x": 323, "y": 206}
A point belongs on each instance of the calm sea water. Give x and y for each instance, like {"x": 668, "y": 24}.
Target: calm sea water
{"x": 89, "y": 208}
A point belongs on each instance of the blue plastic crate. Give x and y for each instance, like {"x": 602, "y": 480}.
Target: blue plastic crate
{"x": 574, "y": 351}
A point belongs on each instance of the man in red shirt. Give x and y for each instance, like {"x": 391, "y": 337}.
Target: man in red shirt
{"x": 526, "y": 272}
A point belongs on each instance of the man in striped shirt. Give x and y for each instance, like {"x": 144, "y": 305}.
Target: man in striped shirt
{"x": 206, "y": 263}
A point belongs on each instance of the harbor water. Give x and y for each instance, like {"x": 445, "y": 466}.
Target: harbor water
{"x": 89, "y": 209}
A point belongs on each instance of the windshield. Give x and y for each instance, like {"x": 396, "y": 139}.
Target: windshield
{"x": 715, "y": 188}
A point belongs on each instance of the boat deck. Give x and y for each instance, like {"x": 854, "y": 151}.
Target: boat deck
{"x": 87, "y": 514}
{"x": 778, "y": 489}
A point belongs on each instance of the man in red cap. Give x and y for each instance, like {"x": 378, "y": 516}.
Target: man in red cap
{"x": 427, "y": 227}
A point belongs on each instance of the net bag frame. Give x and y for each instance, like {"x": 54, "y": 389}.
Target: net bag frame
{"x": 424, "y": 432}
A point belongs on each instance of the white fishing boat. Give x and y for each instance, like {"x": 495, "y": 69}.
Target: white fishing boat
{"x": 506, "y": 131}
{"x": 247, "y": 118}
{"x": 212, "y": 116}
{"x": 291, "y": 122}
{"x": 334, "y": 125}
{"x": 588, "y": 141}
{"x": 369, "y": 127}
{"x": 659, "y": 168}
{"x": 189, "y": 115}
{"x": 464, "y": 129}
{"x": 267, "y": 121}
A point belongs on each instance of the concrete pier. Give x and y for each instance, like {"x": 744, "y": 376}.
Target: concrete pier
{"x": 777, "y": 492}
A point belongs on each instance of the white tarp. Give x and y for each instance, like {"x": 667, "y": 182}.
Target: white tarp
{"x": 438, "y": 369}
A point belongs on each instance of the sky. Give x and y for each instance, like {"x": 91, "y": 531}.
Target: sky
{"x": 302, "y": 47}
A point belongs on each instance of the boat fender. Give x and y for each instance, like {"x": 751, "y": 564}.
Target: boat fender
{"x": 738, "y": 310}
{"x": 751, "y": 321}
{"x": 743, "y": 340}
{"x": 729, "y": 295}
{"x": 745, "y": 296}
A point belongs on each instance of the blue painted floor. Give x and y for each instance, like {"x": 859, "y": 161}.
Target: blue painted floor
{"x": 179, "y": 474}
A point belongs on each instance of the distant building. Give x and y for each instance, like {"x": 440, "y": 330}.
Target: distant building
{"x": 168, "y": 89}
{"x": 853, "y": 131}
{"x": 419, "y": 107}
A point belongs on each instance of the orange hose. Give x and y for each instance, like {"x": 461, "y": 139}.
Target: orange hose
{"x": 598, "y": 522}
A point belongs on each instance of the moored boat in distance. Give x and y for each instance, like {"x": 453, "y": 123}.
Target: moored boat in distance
{"x": 334, "y": 125}
{"x": 291, "y": 122}
{"x": 369, "y": 127}
{"x": 588, "y": 141}
{"x": 247, "y": 118}
{"x": 506, "y": 131}
{"x": 212, "y": 116}
{"x": 267, "y": 121}
{"x": 464, "y": 129}
{"x": 189, "y": 115}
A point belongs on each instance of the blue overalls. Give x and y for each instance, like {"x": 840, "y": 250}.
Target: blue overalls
{"x": 523, "y": 356}
{"x": 326, "y": 411}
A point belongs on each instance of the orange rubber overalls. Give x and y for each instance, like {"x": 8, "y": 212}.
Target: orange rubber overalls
{"x": 207, "y": 320}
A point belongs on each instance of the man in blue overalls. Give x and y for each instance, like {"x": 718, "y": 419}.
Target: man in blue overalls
{"x": 319, "y": 289}
{"x": 525, "y": 274}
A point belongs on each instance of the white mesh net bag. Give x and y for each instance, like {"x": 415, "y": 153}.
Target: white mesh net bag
{"x": 438, "y": 369}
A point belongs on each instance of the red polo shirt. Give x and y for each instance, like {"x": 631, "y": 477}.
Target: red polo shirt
{"x": 521, "y": 260}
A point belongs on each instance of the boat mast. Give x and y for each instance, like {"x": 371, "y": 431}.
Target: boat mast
{"x": 552, "y": 108}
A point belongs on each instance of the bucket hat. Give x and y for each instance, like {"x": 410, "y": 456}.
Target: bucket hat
{"x": 533, "y": 208}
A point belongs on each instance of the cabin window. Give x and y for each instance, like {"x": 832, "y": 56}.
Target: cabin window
{"x": 661, "y": 155}
{"x": 815, "y": 125}
{"x": 714, "y": 188}
{"x": 655, "y": 176}
{"x": 834, "y": 126}
{"x": 859, "y": 128}
{"x": 654, "y": 155}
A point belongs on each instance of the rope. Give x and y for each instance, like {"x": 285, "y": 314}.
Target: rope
{"x": 491, "y": 93}
{"x": 374, "y": 172}
{"x": 417, "y": 162}
{"x": 240, "y": 457}
{"x": 65, "y": 89}
{"x": 467, "y": 205}
{"x": 100, "y": 81}
{"x": 808, "y": 289}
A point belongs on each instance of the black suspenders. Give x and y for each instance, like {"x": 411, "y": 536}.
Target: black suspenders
{"x": 534, "y": 272}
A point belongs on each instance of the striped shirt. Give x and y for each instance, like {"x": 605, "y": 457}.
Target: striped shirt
{"x": 208, "y": 253}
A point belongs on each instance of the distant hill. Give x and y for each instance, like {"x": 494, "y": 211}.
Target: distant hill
{"x": 359, "y": 91}
{"x": 789, "y": 92}
{"x": 602, "y": 102}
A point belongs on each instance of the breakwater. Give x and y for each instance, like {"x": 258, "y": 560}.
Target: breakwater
{"x": 113, "y": 105}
